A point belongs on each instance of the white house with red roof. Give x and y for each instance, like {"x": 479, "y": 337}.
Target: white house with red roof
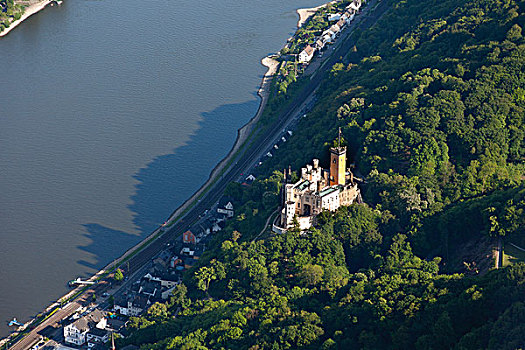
{"x": 307, "y": 54}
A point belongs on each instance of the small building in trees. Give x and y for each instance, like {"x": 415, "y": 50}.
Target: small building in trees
{"x": 226, "y": 207}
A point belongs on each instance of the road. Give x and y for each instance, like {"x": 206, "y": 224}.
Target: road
{"x": 33, "y": 337}
{"x": 245, "y": 162}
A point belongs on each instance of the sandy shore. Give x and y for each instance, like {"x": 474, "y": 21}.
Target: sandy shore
{"x": 30, "y": 10}
{"x": 304, "y": 14}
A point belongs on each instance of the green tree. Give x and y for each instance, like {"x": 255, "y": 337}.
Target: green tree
{"x": 118, "y": 276}
{"x": 158, "y": 311}
{"x": 204, "y": 276}
{"x": 311, "y": 274}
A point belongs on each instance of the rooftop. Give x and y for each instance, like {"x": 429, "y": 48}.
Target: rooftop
{"x": 328, "y": 191}
{"x": 301, "y": 186}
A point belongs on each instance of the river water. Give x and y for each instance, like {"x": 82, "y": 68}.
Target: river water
{"x": 112, "y": 114}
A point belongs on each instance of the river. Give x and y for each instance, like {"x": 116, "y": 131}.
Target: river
{"x": 112, "y": 114}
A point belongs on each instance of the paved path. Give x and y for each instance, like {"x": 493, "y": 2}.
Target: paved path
{"x": 266, "y": 224}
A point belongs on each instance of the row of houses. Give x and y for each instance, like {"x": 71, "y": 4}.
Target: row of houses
{"x": 329, "y": 35}
{"x": 155, "y": 286}
{"x": 167, "y": 268}
{"x": 215, "y": 222}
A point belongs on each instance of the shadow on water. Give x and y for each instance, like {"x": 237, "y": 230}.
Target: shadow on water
{"x": 105, "y": 242}
{"x": 168, "y": 180}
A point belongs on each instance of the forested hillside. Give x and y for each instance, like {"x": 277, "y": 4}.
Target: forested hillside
{"x": 431, "y": 104}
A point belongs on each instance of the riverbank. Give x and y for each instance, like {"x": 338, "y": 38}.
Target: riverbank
{"x": 29, "y": 11}
{"x": 304, "y": 14}
{"x": 242, "y": 135}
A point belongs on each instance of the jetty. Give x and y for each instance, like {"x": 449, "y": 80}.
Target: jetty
{"x": 80, "y": 282}
{"x": 14, "y": 322}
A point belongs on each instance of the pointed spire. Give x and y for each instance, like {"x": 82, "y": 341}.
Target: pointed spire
{"x": 339, "y": 140}
{"x": 112, "y": 342}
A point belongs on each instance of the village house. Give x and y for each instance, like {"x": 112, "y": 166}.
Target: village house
{"x": 206, "y": 226}
{"x": 334, "y": 17}
{"x": 319, "y": 44}
{"x": 226, "y": 207}
{"x": 97, "y": 336}
{"x": 189, "y": 238}
{"x": 166, "y": 293}
{"x": 350, "y": 14}
{"x": 165, "y": 279}
{"x": 217, "y": 226}
{"x": 132, "y": 305}
{"x": 341, "y": 23}
{"x": 175, "y": 260}
{"x": 354, "y": 5}
{"x": 307, "y": 54}
{"x": 328, "y": 36}
{"x": 335, "y": 29}
{"x": 76, "y": 332}
{"x": 151, "y": 289}
{"x": 317, "y": 190}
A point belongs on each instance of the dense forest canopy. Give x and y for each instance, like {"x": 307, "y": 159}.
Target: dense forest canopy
{"x": 431, "y": 104}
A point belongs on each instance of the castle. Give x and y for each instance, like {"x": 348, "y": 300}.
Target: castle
{"x": 317, "y": 190}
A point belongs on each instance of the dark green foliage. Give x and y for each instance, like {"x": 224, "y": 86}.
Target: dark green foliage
{"x": 431, "y": 103}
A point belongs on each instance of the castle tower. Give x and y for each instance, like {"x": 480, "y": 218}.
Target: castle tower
{"x": 338, "y": 163}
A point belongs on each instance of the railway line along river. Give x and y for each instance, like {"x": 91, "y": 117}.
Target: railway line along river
{"x": 113, "y": 113}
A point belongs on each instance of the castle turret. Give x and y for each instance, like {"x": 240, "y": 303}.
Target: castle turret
{"x": 338, "y": 163}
